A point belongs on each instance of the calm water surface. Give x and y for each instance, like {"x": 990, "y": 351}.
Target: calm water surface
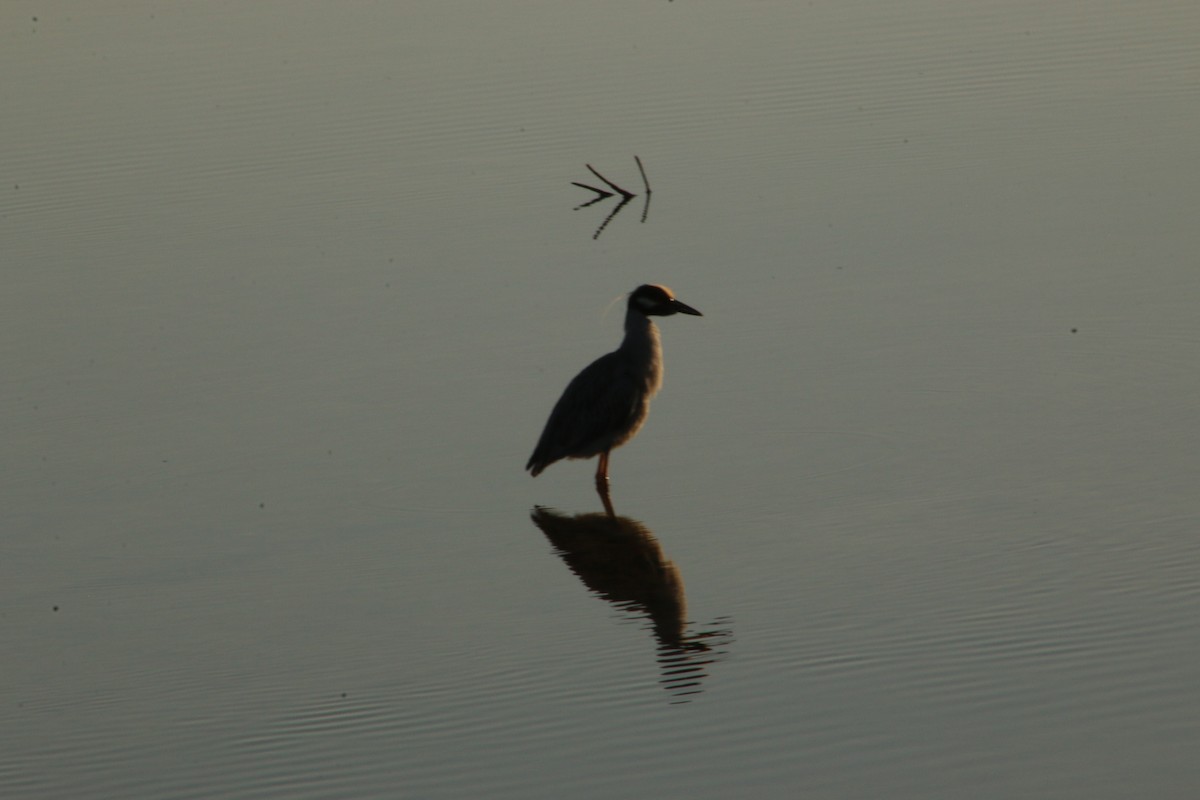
{"x": 289, "y": 291}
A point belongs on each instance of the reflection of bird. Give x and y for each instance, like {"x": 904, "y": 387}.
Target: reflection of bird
{"x": 606, "y": 404}
{"x": 621, "y": 561}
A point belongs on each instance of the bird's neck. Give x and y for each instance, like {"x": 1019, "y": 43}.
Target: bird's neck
{"x": 642, "y": 346}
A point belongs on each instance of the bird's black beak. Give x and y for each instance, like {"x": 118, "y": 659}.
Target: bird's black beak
{"x": 684, "y": 308}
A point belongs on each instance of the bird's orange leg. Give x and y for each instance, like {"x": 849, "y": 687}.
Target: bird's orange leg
{"x": 602, "y": 484}
{"x": 606, "y": 500}
{"x": 602, "y": 470}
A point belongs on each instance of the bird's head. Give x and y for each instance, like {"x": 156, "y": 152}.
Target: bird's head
{"x": 654, "y": 300}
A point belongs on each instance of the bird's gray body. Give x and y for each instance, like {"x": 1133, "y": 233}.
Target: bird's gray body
{"x": 606, "y": 404}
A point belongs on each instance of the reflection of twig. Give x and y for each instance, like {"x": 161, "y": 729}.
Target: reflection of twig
{"x": 616, "y": 209}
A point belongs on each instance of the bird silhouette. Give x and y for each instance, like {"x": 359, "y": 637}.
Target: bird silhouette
{"x": 606, "y": 404}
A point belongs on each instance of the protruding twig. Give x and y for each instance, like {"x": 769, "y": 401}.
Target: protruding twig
{"x": 645, "y": 180}
{"x": 602, "y": 194}
{"x": 646, "y": 183}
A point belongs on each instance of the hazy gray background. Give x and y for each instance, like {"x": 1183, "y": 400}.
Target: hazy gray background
{"x": 289, "y": 289}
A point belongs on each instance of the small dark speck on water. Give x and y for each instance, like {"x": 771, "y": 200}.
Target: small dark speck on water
{"x": 1074, "y": 330}
{"x": 56, "y": 608}
{"x": 262, "y": 505}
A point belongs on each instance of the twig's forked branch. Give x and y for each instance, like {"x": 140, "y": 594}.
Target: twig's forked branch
{"x": 602, "y": 194}
{"x": 626, "y": 194}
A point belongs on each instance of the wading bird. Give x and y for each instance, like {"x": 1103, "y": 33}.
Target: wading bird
{"x": 606, "y": 404}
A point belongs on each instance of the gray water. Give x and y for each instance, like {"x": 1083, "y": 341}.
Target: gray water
{"x": 290, "y": 289}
